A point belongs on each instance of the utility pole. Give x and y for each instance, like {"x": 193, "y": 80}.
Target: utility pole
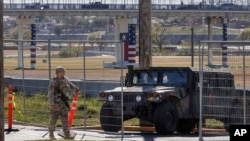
{"x": 1, "y": 75}
{"x": 145, "y": 54}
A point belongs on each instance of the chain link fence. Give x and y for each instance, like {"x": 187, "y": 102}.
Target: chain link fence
{"x": 94, "y": 66}
{"x": 225, "y": 95}
{"x": 90, "y": 65}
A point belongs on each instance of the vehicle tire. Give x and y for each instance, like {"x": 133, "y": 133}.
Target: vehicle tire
{"x": 165, "y": 118}
{"x": 109, "y": 122}
{"x": 185, "y": 126}
{"x": 226, "y": 124}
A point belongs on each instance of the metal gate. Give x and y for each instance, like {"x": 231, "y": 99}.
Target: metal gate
{"x": 224, "y": 95}
{"x": 91, "y": 65}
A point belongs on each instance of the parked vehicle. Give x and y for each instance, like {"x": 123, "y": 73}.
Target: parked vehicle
{"x": 37, "y": 6}
{"x": 169, "y": 97}
{"x": 227, "y": 6}
{"x": 95, "y": 5}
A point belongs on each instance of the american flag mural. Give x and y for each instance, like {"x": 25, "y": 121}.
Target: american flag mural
{"x": 129, "y": 40}
{"x": 131, "y": 44}
{"x": 124, "y": 38}
{"x": 33, "y": 47}
{"x": 224, "y": 46}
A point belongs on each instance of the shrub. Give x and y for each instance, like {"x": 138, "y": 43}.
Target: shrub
{"x": 72, "y": 52}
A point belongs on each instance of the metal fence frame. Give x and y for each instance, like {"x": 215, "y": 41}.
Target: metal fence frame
{"x": 121, "y": 80}
{"x": 23, "y": 85}
{"x": 218, "y": 45}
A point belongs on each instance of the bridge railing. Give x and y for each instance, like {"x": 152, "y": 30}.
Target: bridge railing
{"x": 111, "y": 6}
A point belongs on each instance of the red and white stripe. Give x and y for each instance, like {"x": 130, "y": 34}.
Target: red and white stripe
{"x": 33, "y": 56}
{"x": 131, "y": 54}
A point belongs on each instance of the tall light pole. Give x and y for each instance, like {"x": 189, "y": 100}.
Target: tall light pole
{"x": 1, "y": 75}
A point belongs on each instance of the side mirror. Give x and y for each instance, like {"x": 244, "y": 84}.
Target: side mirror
{"x": 129, "y": 77}
{"x": 127, "y": 82}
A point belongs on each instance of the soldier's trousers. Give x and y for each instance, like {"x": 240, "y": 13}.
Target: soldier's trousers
{"x": 60, "y": 110}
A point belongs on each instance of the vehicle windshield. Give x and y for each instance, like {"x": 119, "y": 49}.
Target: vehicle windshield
{"x": 145, "y": 78}
{"x": 174, "y": 78}
{"x": 168, "y": 78}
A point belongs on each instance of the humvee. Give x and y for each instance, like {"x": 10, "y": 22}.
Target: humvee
{"x": 169, "y": 98}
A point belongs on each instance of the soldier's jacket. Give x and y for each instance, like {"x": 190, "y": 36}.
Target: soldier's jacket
{"x": 63, "y": 84}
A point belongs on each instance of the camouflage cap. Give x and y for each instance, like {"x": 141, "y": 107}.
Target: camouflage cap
{"x": 60, "y": 69}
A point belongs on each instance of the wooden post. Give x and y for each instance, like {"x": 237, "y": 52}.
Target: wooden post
{"x": 145, "y": 54}
{"x": 1, "y": 75}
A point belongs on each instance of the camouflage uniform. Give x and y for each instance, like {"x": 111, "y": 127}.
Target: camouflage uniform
{"x": 63, "y": 84}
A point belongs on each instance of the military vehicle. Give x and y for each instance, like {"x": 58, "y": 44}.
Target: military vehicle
{"x": 169, "y": 98}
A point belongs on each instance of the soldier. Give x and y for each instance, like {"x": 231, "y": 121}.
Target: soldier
{"x": 58, "y": 101}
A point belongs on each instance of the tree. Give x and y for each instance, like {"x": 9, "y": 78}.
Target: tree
{"x": 100, "y": 21}
{"x": 58, "y": 29}
{"x": 91, "y": 38}
{"x": 96, "y": 36}
{"x": 100, "y": 44}
{"x": 245, "y": 35}
{"x": 185, "y": 50}
{"x": 159, "y": 35}
{"x": 14, "y": 33}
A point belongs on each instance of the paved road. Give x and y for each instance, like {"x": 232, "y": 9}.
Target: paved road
{"x": 34, "y": 133}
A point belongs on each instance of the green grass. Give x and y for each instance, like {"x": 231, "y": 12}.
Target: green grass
{"x": 213, "y": 123}
{"x": 36, "y": 111}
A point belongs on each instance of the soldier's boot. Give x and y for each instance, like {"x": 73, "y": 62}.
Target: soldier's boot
{"x": 67, "y": 135}
{"x": 51, "y": 135}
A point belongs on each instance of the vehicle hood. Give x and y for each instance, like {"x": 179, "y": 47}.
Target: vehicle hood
{"x": 140, "y": 89}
